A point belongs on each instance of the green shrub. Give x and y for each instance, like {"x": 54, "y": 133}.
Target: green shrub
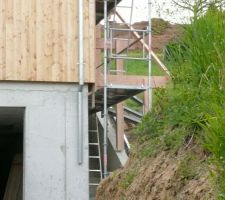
{"x": 215, "y": 143}
{"x": 128, "y": 179}
{"x": 152, "y": 123}
{"x": 159, "y": 25}
{"x": 175, "y": 139}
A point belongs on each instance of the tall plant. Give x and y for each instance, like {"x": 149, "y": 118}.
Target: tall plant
{"x": 201, "y": 71}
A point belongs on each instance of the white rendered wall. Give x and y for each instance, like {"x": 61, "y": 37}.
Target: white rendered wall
{"x": 51, "y": 171}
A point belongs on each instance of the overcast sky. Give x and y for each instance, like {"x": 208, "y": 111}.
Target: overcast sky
{"x": 160, "y": 8}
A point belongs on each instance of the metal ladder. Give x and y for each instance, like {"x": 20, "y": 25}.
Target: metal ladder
{"x": 95, "y": 163}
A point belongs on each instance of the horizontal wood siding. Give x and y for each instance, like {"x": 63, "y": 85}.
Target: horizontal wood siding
{"x": 39, "y": 40}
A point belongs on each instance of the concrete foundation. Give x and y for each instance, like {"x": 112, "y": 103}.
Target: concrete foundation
{"x": 51, "y": 170}
{"x": 116, "y": 159}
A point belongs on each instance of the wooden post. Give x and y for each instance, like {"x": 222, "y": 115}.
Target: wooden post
{"x": 97, "y": 62}
{"x": 97, "y": 50}
{"x": 119, "y": 106}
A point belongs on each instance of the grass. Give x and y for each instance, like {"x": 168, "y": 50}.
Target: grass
{"x": 188, "y": 167}
{"x": 194, "y": 105}
{"x": 128, "y": 179}
{"x": 138, "y": 67}
{"x": 133, "y": 105}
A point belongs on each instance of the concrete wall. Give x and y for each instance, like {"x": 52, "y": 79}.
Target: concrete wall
{"x": 51, "y": 171}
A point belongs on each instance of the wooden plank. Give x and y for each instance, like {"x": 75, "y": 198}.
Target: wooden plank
{"x": 74, "y": 25}
{"x": 56, "y": 44}
{"x": 47, "y": 38}
{"x": 61, "y": 40}
{"x": 119, "y": 106}
{"x": 39, "y": 40}
{"x": 9, "y": 40}
{"x": 2, "y": 39}
{"x": 17, "y": 36}
{"x": 119, "y": 127}
{"x": 97, "y": 50}
{"x": 68, "y": 33}
{"x": 24, "y": 41}
{"x": 32, "y": 71}
{"x": 92, "y": 44}
{"x": 131, "y": 80}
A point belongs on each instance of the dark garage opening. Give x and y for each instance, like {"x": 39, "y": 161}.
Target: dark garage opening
{"x": 11, "y": 152}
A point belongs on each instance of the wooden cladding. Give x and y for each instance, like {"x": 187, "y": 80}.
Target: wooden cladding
{"x": 39, "y": 40}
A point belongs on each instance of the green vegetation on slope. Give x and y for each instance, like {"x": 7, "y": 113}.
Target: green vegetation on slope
{"x": 159, "y": 25}
{"x": 193, "y": 108}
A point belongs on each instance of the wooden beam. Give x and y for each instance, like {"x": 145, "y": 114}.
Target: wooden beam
{"x": 130, "y": 80}
{"x": 119, "y": 106}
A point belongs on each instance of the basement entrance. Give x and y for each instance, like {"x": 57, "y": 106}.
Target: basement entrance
{"x": 11, "y": 152}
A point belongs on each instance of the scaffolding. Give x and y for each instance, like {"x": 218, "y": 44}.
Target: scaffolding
{"x": 112, "y": 57}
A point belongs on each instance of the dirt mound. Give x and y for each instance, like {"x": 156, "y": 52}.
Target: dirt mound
{"x": 162, "y": 177}
{"x": 159, "y": 41}
{"x": 162, "y": 33}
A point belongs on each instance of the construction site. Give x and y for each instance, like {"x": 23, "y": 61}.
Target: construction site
{"x": 62, "y": 86}
{"x": 67, "y": 93}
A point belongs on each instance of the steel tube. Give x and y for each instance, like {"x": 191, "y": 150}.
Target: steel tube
{"x": 130, "y": 30}
{"x": 81, "y": 43}
{"x": 128, "y": 58}
{"x": 80, "y": 129}
{"x": 81, "y": 84}
{"x": 149, "y": 56}
{"x": 105, "y": 163}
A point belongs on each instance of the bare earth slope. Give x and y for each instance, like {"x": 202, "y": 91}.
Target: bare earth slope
{"x": 164, "y": 176}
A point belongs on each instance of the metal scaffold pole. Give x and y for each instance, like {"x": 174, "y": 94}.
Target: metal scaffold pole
{"x": 105, "y": 161}
{"x": 149, "y": 56}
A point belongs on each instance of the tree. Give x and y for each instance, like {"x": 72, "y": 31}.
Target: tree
{"x": 198, "y": 7}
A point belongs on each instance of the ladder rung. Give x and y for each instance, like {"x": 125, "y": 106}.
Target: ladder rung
{"x": 114, "y": 70}
{"x": 120, "y": 55}
{"x": 95, "y": 170}
{"x": 93, "y": 131}
{"x": 93, "y": 184}
{"x": 124, "y": 7}
{"x": 122, "y": 39}
{"x": 94, "y": 144}
{"x": 94, "y": 157}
